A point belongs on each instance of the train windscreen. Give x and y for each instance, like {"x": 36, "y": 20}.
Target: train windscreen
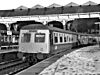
{"x": 39, "y": 37}
{"x": 25, "y": 37}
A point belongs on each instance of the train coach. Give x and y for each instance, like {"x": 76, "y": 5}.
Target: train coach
{"x": 87, "y": 39}
{"x": 38, "y": 41}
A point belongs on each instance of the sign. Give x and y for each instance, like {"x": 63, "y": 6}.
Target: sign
{"x": 9, "y": 32}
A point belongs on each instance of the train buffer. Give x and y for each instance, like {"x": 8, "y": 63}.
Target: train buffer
{"x": 81, "y": 61}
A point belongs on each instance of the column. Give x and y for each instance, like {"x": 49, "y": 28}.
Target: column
{"x": 15, "y": 27}
{"x": 8, "y": 26}
{"x": 44, "y": 22}
{"x": 64, "y": 22}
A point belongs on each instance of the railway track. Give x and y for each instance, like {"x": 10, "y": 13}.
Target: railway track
{"x": 13, "y": 67}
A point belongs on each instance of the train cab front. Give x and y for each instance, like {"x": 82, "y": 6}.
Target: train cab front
{"x": 34, "y": 42}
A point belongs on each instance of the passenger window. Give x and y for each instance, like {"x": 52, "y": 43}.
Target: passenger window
{"x": 61, "y": 37}
{"x": 26, "y": 37}
{"x": 55, "y": 37}
{"x": 65, "y": 40}
{"x": 69, "y": 39}
{"x": 39, "y": 37}
{"x": 72, "y": 39}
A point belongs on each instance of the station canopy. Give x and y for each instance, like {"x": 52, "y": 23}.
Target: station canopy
{"x": 90, "y": 3}
{"x": 54, "y": 5}
{"x": 22, "y": 7}
{"x": 37, "y": 6}
{"x": 71, "y": 4}
{"x": 70, "y": 8}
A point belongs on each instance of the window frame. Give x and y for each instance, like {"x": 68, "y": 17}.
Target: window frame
{"x": 61, "y": 38}
{"x": 23, "y": 40}
{"x": 38, "y": 34}
{"x": 57, "y": 35}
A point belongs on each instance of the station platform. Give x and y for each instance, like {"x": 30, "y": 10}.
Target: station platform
{"x": 8, "y": 50}
{"x": 83, "y": 61}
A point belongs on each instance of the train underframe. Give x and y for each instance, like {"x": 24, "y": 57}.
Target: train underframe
{"x": 32, "y": 58}
{"x": 6, "y": 57}
{"x": 35, "y": 57}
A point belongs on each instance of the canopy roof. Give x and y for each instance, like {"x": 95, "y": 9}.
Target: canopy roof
{"x": 3, "y": 26}
{"x": 70, "y": 8}
{"x": 54, "y": 5}
{"x": 22, "y": 7}
{"x": 90, "y": 3}
{"x": 72, "y": 4}
{"x": 37, "y": 6}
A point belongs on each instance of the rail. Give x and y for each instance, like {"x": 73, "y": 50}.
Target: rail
{"x": 12, "y": 67}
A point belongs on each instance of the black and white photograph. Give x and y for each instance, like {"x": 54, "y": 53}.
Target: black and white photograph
{"x": 50, "y": 37}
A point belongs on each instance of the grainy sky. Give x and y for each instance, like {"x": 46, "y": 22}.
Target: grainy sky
{"x": 13, "y": 4}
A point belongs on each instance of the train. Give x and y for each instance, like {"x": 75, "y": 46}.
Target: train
{"x": 38, "y": 41}
{"x": 87, "y": 39}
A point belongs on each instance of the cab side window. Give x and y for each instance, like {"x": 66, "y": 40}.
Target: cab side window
{"x": 26, "y": 37}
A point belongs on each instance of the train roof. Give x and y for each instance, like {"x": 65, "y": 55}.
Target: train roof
{"x": 34, "y": 26}
{"x": 45, "y": 27}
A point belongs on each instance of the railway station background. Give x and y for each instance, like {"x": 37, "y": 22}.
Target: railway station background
{"x": 73, "y": 15}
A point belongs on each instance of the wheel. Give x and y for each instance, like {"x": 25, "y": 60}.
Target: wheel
{"x": 32, "y": 60}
